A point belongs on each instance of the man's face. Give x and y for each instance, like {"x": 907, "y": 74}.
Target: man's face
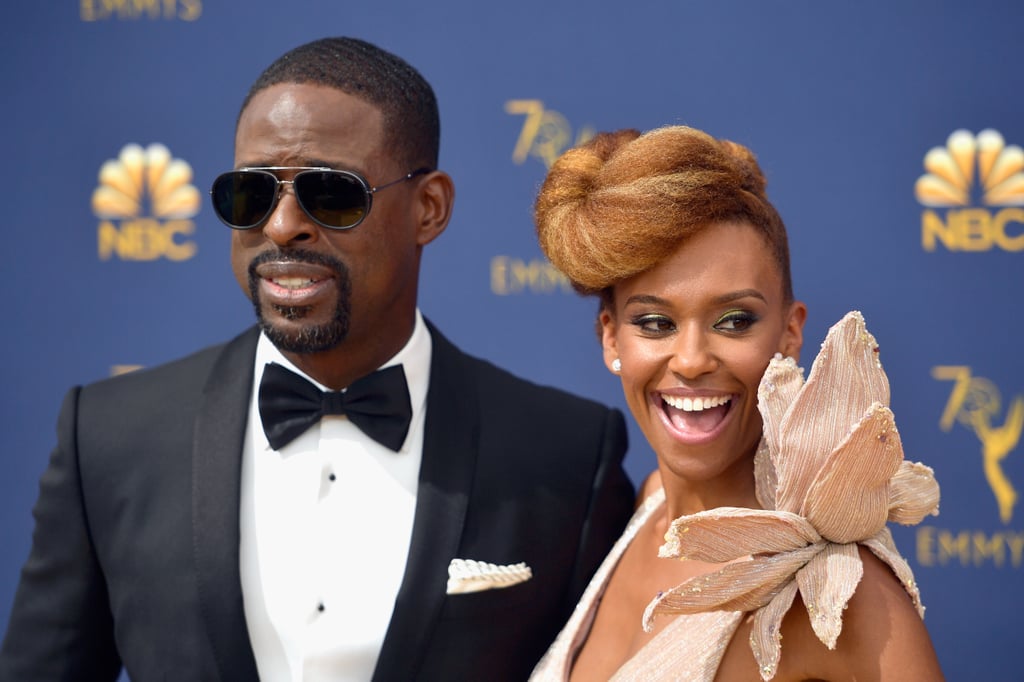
{"x": 315, "y": 288}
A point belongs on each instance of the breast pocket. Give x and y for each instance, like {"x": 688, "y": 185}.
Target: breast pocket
{"x": 495, "y": 601}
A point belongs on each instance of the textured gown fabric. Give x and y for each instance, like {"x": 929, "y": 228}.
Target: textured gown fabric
{"x": 689, "y": 648}
{"x": 829, "y": 475}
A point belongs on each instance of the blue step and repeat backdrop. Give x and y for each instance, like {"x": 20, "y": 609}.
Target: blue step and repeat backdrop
{"x": 890, "y": 133}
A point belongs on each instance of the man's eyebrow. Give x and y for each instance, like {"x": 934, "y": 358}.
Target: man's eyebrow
{"x": 301, "y": 163}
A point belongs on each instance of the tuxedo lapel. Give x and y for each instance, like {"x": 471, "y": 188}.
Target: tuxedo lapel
{"x": 216, "y": 473}
{"x": 450, "y": 444}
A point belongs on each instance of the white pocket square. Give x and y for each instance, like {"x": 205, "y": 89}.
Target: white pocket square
{"x": 466, "y": 575}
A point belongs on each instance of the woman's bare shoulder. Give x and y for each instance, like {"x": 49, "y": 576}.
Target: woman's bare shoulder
{"x": 882, "y": 637}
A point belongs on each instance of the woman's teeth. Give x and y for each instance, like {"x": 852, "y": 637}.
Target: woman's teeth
{"x": 695, "y": 404}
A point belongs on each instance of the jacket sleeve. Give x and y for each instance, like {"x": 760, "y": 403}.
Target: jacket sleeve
{"x": 611, "y": 505}
{"x": 61, "y": 626}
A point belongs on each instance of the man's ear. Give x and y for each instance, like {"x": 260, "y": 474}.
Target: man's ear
{"x": 436, "y": 194}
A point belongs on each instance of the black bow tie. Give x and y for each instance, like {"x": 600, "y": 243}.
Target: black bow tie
{"x": 378, "y": 404}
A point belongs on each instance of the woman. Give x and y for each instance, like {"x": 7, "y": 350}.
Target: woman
{"x": 783, "y": 537}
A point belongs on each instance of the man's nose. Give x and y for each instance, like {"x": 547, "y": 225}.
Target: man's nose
{"x": 288, "y": 224}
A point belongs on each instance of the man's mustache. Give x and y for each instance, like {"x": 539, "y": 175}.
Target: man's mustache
{"x": 296, "y": 256}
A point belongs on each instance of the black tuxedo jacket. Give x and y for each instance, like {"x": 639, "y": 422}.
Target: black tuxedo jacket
{"x": 134, "y": 557}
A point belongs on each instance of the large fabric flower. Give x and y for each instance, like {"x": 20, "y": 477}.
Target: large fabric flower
{"x": 830, "y": 473}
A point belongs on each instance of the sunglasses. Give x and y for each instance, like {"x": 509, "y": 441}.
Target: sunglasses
{"x": 335, "y": 199}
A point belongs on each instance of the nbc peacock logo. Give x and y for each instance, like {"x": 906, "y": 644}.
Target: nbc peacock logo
{"x": 971, "y": 170}
{"x": 145, "y": 201}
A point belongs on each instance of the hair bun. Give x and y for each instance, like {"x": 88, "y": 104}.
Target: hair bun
{"x": 624, "y": 201}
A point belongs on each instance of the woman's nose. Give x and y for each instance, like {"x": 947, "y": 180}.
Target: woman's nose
{"x": 692, "y": 353}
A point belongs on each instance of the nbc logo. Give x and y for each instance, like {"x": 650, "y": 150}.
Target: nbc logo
{"x": 948, "y": 183}
{"x": 145, "y": 201}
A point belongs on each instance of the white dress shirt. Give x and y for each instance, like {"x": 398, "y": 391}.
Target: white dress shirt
{"x": 325, "y": 525}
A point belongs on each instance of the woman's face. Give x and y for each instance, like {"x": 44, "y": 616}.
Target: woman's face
{"x": 694, "y": 335}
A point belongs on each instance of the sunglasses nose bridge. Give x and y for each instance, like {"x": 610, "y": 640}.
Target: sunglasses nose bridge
{"x": 283, "y": 188}
{"x": 280, "y": 188}
{"x": 292, "y": 189}
{"x": 288, "y": 220}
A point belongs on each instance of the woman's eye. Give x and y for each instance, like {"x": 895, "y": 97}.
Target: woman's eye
{"x": 736, "y": 321}
{"x": 654, "y": 324}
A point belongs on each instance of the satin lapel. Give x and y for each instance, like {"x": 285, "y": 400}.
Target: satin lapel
{"x": 450, "y": 444}
{"x": 216, "y": 473}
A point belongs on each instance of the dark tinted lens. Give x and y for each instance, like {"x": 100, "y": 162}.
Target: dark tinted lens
{"x": 332, "y": 198}
{"x": 243, "y": 199}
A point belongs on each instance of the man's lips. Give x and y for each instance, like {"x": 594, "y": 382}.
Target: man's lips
{"x": 293, "y": 284}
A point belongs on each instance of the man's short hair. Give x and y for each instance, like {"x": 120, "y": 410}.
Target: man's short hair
{"x": 412, "y": 126}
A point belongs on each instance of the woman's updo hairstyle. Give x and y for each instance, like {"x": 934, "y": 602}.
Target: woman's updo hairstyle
{"x": 623, "y": 202}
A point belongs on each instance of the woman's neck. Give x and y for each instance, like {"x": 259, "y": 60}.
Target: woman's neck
{"x": 734, "y": 488}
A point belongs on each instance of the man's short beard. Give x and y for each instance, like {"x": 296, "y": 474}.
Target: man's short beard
{"x": 308, "y": 338}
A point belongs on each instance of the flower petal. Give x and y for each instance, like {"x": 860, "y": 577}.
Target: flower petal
{"x": 883, "y": 547}
{"x": 739, "y": 586}
{"x": 728, "y": 533}
{"x": 766, "y": 635}
{"x": 849, "y": 499}
{"x": 913, "y": 494}
{"x": 766, "y": 479}
{"x": 826, "y": 584}
{"x": 844, "y": 381}
{"x": 778, "y": 388}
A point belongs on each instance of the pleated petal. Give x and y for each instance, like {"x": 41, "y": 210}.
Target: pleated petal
{"x": 826, "y": 584}
{"x": 779, "y": 386}
{"x": 849, "y": 499}
{"x": 728, "y": 533}
{"x": 883, "y": 547}
{"x": 829, "y": 474}
{"x": 844, "y": 381}
{"x": 766, "y": 635}
{"x": 740, "y": 586}
{"x": 766, "y": 479}
{"x": 913, "y": 494}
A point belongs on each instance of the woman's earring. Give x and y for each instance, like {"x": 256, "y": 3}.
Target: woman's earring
{"x": 616, "y": 365}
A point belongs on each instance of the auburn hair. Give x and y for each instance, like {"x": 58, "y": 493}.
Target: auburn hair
{"x": 623, "y": 202}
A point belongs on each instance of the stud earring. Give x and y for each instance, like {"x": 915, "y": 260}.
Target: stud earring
{"x": 616, "y": 365}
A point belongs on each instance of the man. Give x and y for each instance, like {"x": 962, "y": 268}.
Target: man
{"x": 195, "y": 524}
